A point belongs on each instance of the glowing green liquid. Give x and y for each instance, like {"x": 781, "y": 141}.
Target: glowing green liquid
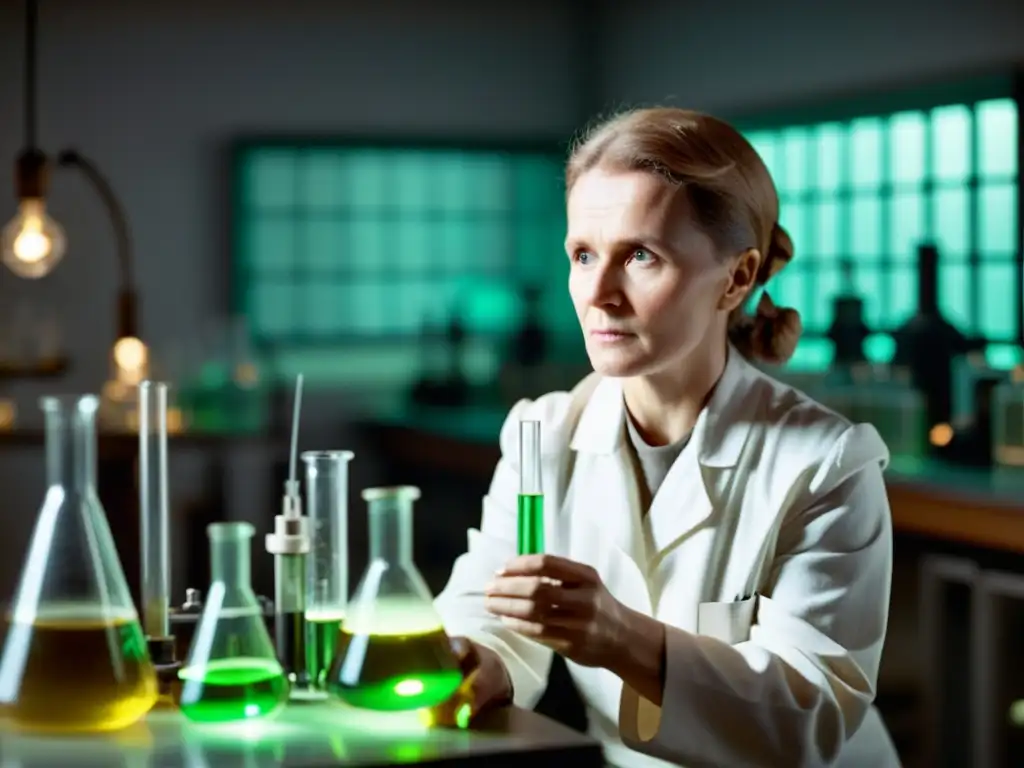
{"x": 321, "y": 644}
{"x": 531, "y": 523}
{"x": 233, "y": 689}
{"x": 394, "y": 672}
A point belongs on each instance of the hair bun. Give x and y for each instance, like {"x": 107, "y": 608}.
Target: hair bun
{"x": 775, "y": 333}
{"x": 779, "y": 254}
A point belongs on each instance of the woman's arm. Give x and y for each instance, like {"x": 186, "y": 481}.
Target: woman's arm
{"x": 461, "y": 604}
{"x": 795, "y": 692}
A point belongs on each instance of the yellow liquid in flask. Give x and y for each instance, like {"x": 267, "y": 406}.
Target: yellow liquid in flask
{"x": 392, "y": 658}
{"x": 81, "y": 672}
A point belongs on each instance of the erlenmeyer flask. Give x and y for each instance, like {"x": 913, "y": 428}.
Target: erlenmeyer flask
{"x": 75, "y": 658}
{"x": 393, "y": 653}
{"x": 232, "y": 671}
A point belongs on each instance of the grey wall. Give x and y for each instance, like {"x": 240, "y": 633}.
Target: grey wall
{"x": 153, "y": 91}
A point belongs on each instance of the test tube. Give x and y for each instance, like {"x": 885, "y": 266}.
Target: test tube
{"x": 531, "y": 492}
{"x": 153, "y": 508}
{"x": 327, "y": 562}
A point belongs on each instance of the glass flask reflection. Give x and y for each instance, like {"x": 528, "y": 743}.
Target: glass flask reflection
{"x": 327, "y": 562}
{"x": 232, "y": 672}
{"x": 393, "y": 653}
{"x": 75, "y": 658}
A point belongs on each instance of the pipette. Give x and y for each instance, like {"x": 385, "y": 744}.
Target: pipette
{"x": 290, "y": 544}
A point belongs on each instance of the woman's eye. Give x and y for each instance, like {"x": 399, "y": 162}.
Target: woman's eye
{"x": 642, "y": 256}
{"x": 584, "y": 257}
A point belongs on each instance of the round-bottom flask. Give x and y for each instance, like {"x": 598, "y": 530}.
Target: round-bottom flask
{"x": 392, "y": 652}
{"x": 232, "y": 672}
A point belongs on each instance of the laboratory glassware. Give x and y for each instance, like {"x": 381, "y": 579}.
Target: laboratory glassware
{"x": 393, "y": 653}
{"x": 327, "y": 565}
{"x": 154, "y": 526}
{"x": 289, "y": 544}
{"x": 531, "y": 493}
{"x": 75, "y": 658}
{"x": 232, "y": 671}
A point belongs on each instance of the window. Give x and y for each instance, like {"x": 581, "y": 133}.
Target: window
{"x": 339, "y": 242}
{"x": 870, "y": 189}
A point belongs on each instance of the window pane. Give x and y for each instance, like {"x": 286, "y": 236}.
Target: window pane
{"x": 790, "y": 288}
{"x": 451, "y": 190}
{"x": 539, "y": 252}
{"x": 270, "y": 244}
{"x": 954, "y": 295}
{"x": 272, "y": 306}
{"x": 795, "y": 159}
{"x": 322, "y": 180}
{"x": 907, "y": 142}
{"x": 870, "y": 284}
{"x": 323, "y": 308}
{"x": 866, "y": 227}
{"x": 826, "y": 231}
{"x": 412, "y": 302}
{"x": 269, "y": 178}
{"x": 902, "y": 295}
{"x": 811, "y": 355}
{"x": 486, "y": 179}
{"x": 415, "y": 247}
{"x": 998, "y": 315}
{"x": 370, "y": 307}
{"x": 866, "y": 152}
{"x": 368, "y": 180}
{"x": 997, "y": 137}
{"x": 829, "y": 175}
{"x": 951, "y": 142}
{"x": 410, "y": 178}
{"x": 367, "y": 248}
{"x": 998, "y": 219}
{"x": 906, "y": 225}
{"x": 539, "y": 185}
{"x": 952, "y": 225}
{"x": 324, "y": 244}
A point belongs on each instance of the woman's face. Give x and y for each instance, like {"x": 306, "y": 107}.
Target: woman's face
{"x": 647, "y": 285}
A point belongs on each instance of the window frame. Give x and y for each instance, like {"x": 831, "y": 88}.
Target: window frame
{"x": 920, "y": 96}
{"x": 239, "y": 276}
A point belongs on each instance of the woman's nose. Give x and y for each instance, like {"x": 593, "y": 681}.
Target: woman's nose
{"x": 606, "y": 287}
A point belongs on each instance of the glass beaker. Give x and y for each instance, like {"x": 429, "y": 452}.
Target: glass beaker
{"x": 232, "y": 671}
{"x": 75, "y": 658}
{"x": 393, "y": 653}
{"x": 327, "y": 562}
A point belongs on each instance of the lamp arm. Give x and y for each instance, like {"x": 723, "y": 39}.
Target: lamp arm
{"x": 71, "y": 157}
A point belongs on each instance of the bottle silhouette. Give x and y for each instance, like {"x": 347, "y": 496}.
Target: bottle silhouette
{"x": 392, "y": 651}
{"x": 232, "y": 672}
{"x": 75, "y": 658}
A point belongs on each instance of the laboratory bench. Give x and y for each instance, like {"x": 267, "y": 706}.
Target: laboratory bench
{"x": 314, "y": 736}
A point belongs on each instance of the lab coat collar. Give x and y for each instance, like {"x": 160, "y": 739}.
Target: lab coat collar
{"x": 718, "y": 436}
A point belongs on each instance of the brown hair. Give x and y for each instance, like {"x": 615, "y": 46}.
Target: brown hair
{"x": 730, "y": 192}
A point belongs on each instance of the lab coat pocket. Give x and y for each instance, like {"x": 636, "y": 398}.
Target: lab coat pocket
{"x": 728, "y": 621}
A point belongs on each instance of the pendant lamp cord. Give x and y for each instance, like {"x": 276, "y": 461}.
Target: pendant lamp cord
{"x": 31, "y": 26}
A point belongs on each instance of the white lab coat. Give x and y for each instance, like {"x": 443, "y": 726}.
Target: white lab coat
{"x": 767, "y": 552}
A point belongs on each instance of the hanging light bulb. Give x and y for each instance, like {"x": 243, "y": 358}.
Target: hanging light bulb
{"x": 32, "y": 243}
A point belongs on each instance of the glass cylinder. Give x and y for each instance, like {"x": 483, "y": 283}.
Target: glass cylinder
{"x": 232, "y": 672}
{"x": 530, "y": 522}
{"x": 327, "y": 562}
{"x": 393, "y": 653}
{"x": 153, "y": 508}
{"x": 73, "y": 618}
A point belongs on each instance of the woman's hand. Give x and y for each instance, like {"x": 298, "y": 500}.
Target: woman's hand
{"x": 485, "y": 685}
{"x": 563, "y": 604}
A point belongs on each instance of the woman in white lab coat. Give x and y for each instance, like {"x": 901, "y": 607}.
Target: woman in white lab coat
{"x": 719, "y": 545}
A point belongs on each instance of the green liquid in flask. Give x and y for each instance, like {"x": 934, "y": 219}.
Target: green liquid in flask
{"x": 322, "y": 643}
{"x": 400, "y": 659}
{"x": 233, "y": 689}
{"x": 531, "y": 523}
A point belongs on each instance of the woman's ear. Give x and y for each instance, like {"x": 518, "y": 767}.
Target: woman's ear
{"x": 742, "y": 279}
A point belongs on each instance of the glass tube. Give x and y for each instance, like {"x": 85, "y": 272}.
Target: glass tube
{"x": 531, "y": 493}
{"x": 153, "y": 507}
{"x": 327, "y": 562}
